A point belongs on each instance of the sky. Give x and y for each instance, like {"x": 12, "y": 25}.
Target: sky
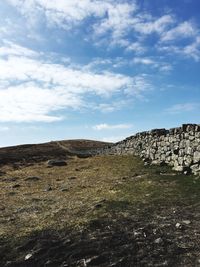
{"x": 97, "y": 69}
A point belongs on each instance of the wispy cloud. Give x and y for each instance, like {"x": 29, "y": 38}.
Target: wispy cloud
{"x": 145, "y": 61}
{"x": 153, "y": 62}
{"x": 118, "y": 21}
{"x": 188, "y": 31}
{"x": 136, "y": 47}
{"x": 106, "y": 63}
{"x": 148, "y": 24}
{"x": 191, "y": 50}
{"x": 73, "y": 79}
{"x": 114, "y": 23}
{"x": 131, "y": 21}
{"x": 141, "y": 84}
{"x": 105, "y": 126}
{"x": 112, "y": 105}
{"x": 11, "y": 49}
{"x": 67, "y": 14}
{"x": 184, "y": 107}
{"x": 183, "y": 30}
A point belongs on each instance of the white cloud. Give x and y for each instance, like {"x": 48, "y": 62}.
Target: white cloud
{"x": 74, "y": 80}
{"x": 28, "y": 103}
{"x": 105, "y": 126}
{"x": 183, "y": 30}
{"x": 32, "y": 88}
{"x": 185, "y": 107}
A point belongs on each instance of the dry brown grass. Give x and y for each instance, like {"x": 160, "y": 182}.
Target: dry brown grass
{"x": 30, "y": 208}
{"x": 116, "y": 188}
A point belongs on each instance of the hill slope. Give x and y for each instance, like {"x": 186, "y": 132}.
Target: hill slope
{"x": 98, "y": 211}
{"x": 40, "y": 152}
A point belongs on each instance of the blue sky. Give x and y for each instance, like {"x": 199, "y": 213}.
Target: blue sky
{"x": 97, "y": 69}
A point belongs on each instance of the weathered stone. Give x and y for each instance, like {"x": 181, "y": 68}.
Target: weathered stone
{"x": 28, "y": 256}
{"x": 189, "y": 151}
{"x": 180, "y": 161}
{"x": 196, "y": 157}
{"x": 174, "y": 157}
{"x": 158, "y": 240}
{"x": 187, "y": 160}
{"x": 195, "y": 168}
{"x": 187, "y": 222}
{"x": 178, "y": 226}
{"x": 191, "y": 138}
{"x": 178, "y": 168}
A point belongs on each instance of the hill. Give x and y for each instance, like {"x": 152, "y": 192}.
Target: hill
{"x": 103, "y": 211}
{"x": 40, "y": 152}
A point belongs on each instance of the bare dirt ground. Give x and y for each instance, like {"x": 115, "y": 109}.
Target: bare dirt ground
{"x": 98, "y": 211}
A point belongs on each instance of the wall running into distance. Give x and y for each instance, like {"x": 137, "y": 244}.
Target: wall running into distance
{"x": 177, "y": 147}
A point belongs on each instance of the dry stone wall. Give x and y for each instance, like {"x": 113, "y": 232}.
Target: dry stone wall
{"x": 177, "y": 147}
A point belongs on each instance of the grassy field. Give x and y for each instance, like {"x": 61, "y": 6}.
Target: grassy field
{"x": 127, "y": 214}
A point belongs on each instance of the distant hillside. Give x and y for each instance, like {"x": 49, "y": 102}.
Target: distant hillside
{"x": 45, "y": 151}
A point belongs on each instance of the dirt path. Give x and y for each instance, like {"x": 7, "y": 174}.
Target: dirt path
{"x": 60, "y": 145}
